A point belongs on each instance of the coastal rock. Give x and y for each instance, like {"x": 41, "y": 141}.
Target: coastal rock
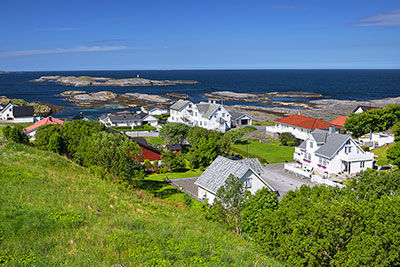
{"x": 295, "y": 94}
{"x": 83, "y": 81}
{"x": 233, "y": 96}
{"x": 70, "y": 93}
{"x": 177, "y": 96}
{"x": 148, "y": 98}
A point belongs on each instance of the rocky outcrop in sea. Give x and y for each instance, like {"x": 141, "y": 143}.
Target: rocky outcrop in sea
{"x": 83, "y": 81}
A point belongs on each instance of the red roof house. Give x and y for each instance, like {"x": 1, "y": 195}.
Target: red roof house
{"x": 298, "y": 125}
{"x": 31, "y": 130}
{"x": 339, "y": 121}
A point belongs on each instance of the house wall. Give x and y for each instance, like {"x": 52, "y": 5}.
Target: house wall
{"x": 7, "y": 113}
{"x": 205, "y": 194}
{"x": 23, "y": 119}
{"x": 245, "y": 117}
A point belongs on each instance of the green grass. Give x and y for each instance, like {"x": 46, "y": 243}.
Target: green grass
{"x": 381, "y": 153}
{"x": 272, "y": 153}
{"x": 263, "y": 123}
{"x": 55, "y": 213}
{"x": 145, "y": 127}
{"x": 155, "y": 140}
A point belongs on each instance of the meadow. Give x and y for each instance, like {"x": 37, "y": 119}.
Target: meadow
{"x": 53, "y": 212}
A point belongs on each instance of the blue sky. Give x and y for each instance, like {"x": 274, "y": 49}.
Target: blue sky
{"x": 218, "y": 34}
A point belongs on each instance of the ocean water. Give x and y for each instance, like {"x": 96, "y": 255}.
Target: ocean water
{"x": 336, "y": 84}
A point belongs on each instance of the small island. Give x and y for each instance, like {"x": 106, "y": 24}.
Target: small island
{"x": 83, "y": 81}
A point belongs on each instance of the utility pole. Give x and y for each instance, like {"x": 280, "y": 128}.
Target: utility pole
{"x": 247, "y": 150}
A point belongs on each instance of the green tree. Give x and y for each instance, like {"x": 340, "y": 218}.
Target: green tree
{"x": 114, "y": 153}
{"x": 75, "y": 131}
{"x": 396, "y": 131}
{"x": 15, "y": 134}
{"x": 56, "y": 143}
{"x": 393, "y": 154}
{"x": 43, "y": 134}
{"x": 234, "y": 135}
{"x": 174, "y": 133}
{"x": 258, "y": 207}
{"x": 231, "y": 198}
{"x": 287, "y": 139}
{"x": 173, "y": 162}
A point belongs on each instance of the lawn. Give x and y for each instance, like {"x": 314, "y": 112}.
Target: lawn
{"x": 381, "y": 153}
{"x": 272, "y": 153}
{"x": 55, "y": 213}
{"x": 155, "y": 140}
{"x": 156, "y": 185}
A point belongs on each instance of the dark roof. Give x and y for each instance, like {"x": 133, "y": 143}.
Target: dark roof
{"x": 332, "y": 144}
{"x": 127, "y": 116}
{"x": 174, "y": 147}
{"x": 23, "y": 111}
{"x": 178, "y": 105}
{"x": 236, "y": 115}
{"x": 365, "y": 108}
{"x": 143, "y": 143}
{"x": 78, "y": 117}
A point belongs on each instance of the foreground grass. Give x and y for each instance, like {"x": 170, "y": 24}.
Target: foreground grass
{"x": 54, "y": 213}
{"x": 155, "y": 140}
{"x": 381, "y": 153}
{"x": 272, "y": 153}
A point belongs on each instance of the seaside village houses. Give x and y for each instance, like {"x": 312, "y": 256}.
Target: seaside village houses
{"x": 16, "y": 113}
{"x": 211, "y": 116}
{"x": 128, "y": 119}
{"x": 328, "y": 154}
{"x": 214, "y": 177}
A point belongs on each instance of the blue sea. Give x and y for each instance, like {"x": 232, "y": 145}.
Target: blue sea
{"x": 336, "y": 84}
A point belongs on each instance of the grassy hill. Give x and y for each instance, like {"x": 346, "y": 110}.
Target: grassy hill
{"x": 54, "y": 213}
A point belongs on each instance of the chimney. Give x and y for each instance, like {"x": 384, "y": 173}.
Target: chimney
{"x": 331, "y": 129}
{"x": 299, "y": 113}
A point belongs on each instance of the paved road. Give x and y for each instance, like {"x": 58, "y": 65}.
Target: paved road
{"x": 282, "y": 181}
{"x": 260, "y": 130}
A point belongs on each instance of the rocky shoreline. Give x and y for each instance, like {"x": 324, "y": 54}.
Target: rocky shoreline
{"x": 262, "y": 98}
{"x": 83, "y": 81}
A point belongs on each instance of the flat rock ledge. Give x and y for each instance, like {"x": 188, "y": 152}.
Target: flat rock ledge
{"x": 233, "y": 96}
{"x": 110, "y": 100}
{"x": 295, "y": 94}
{"x": 83, "y": 81}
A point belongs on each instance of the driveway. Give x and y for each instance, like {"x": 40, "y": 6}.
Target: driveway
{"x": 260, "y": 130}
{"x": 282, "y": 181}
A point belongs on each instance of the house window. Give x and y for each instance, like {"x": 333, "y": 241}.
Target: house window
{"x": 347, "y": 149}
{"x": 320, "y": 161}
{"x": 248, "y": 183}
{"x": 311, "y": 144}
{"x": 201, "y": 123}
{"x": 362, "y": 164}
{"x": 205, "y": 123}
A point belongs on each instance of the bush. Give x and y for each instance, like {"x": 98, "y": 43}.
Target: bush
{"x": 287, "y": 139}
{"x": 15, "y": 134}
{"x": 365, "y": 148}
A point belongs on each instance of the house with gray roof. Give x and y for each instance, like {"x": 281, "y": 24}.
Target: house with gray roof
{"x": 326, "y": 152}
{"x": 216, "y": 174}
{"x": 208, "y": 115}
{"x": 128, "y": 119}
{"x": 17, "y": 113}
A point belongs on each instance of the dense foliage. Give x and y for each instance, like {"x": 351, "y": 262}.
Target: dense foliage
{"x": 374, "y": 120}
{"x": 393, "y": 154}
{"x": 108, "y": 153}
{"x": 173, "y": 162}
{"x": 235, "y": 135}
{"x": 206, "y": 145}
{"x": 43, "y": 135}
{"x": 174, "y": 133}
{"x": 288, "y": 139}
{"x": 15, "y": 134}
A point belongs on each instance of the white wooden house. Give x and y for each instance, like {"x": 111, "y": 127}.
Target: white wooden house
{"x": 128, "y": 119}
{"x": 211, "y": 116}
{"x": 17, "y": 114}
{"x": 247, "y": 170}
{"x": 325, "y": 153}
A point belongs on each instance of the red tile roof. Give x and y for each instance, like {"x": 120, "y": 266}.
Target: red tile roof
{"x": 48, "y": 120}
{"x": 305, "y": 122}
{"x": 340, "y": 120}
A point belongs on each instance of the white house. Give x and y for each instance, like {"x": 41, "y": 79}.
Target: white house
{"x": 31, "y": 130}
{"x": 211, "y": 116}
{"x": 248, "y": 170}
{"x": 240, "y": 119}
{"x": 128, "y": 119}
{"x": 299, "y": 126}
{"x": 154, "y": 111}
{"x": 324, "y": 153}
{"x": 17, "y": 114}
{"x": 376, "y": 140}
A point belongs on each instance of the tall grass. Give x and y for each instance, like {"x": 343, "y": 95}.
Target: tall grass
{"x": 55, "y": 213}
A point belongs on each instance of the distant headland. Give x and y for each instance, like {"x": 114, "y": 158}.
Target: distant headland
{"x": 83, "y": 81}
